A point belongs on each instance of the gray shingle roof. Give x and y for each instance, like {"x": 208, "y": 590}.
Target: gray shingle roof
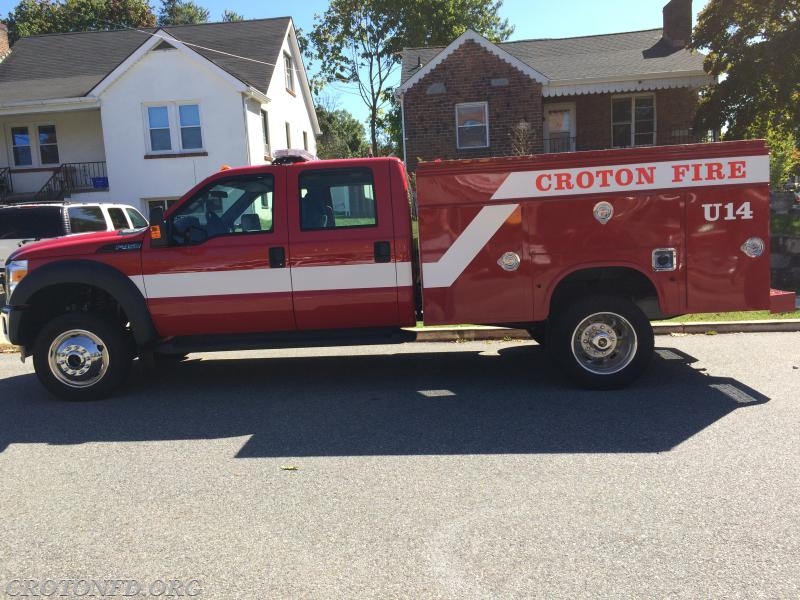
{"x": 636, "y": 53}
{"x": 70, "y": 65}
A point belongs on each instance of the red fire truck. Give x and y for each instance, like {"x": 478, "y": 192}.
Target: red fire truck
{"x": 581, "y": 249}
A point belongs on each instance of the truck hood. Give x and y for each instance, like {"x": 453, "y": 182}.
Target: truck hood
{"x": 78, "y": 244}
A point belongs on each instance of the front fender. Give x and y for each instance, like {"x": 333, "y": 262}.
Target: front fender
{"x": 95, "y": 274}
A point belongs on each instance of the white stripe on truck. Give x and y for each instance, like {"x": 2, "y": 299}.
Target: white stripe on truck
{"x": 612, "y": 179}
{"x": 452, "y": 264}
{"x": 272, "y": 281}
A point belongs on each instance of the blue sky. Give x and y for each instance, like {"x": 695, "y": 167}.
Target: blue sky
{"x": 531, "y": 18}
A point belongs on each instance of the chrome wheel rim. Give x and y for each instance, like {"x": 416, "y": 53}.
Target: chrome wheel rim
{"x": 78, "y": 358}
{"x": 604, "y": 343}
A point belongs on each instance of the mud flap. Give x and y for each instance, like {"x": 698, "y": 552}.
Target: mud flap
{"x": 781, "y": 301}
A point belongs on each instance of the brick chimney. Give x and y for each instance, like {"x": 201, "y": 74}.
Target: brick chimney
{"x": 4, "y": 47}
{"x": 678, "y": 23}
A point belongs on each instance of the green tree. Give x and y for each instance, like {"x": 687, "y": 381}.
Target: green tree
{"x": 784, "y": 157}
{"x": 229, "y": 16}
{"x": 359, "y": 42}
{"x": 32, "y": 17}
{"x": 343, "y": 136}
{"x": 181, "y": 12}
{"x": 753, "y": 46}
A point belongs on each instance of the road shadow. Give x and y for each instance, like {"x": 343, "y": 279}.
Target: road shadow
{"x": 465, "y": 402}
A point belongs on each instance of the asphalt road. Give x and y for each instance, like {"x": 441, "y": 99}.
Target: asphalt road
{"x": 422, "y": 471}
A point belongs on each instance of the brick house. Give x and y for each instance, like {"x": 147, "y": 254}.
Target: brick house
{"x": 475, "y": 98}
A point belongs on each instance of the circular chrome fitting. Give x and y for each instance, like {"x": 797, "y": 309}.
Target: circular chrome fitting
{"x": 510, "y": 261}
{"x": 753, "y": 247}
{"x": 78, "y": 358}
{"x": 603, "y": 212}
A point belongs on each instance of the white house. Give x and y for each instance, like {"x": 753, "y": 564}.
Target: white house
{"x": 139, "y": 117}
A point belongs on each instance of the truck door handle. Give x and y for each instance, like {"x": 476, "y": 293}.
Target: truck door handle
{"x": 383, "y": 252}
{"x": 277, "y": 257}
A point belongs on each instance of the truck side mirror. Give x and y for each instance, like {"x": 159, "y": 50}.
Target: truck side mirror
{"x": 159, "y": 235}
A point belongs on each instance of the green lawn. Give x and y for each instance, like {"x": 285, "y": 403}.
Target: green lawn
{"x": 354, "y": 221}
{"x": 759, "y": 315}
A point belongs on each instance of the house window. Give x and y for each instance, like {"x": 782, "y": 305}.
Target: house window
{"x": 305, "y": 140}
{"x": 48, "y": 145}
{"x": 39, "y": 148}
{"x": 633, "y": 121}
{"x": 158, "y": 118}
{"x": 265, "y": 131}
{"x": 174, "y": 121}
{"x": 288, "y": 135}
{"x": 21, "y": 140}
{"x": 472, "y": 125}
{"x": 163, "y": 203}
{"x": 288, "y": 72}
{"x": 189, "y": 115}
{"x": 559, "y": 127}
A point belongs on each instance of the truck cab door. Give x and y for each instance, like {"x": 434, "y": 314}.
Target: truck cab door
{"x": 224, "y": 269}
{"x": 341, "y": 246}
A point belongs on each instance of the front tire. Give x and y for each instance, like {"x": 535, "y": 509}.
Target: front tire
{"x": 81, "y": 357}
{"x": 602, "y": 342}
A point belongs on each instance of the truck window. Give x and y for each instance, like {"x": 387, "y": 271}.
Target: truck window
{"x": 118, "y": 219}
{"x": 337, "y": 198}
{"x": 30, "y": 222}
{"x": 86, "y": 218}
{"x": 237, "y": 205}
{"x": 137, "y": 220}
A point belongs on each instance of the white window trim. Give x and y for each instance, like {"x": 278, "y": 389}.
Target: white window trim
{"x": 631, "y": 97}
{"x": 33, "y": 136}
{"x": 265, "y": 132}
{"x": 485, "y": 106}
{"x": 570, "y": 106}
{"x": 288, "y": 75}
{"x": 173, "y": 117}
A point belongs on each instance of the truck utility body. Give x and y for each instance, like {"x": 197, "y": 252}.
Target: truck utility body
{"x": 582, "y": 249}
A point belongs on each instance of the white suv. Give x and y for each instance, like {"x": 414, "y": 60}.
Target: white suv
{"x": 22, "y": 223}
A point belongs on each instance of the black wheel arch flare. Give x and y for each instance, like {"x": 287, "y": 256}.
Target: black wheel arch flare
{"x": 96, "y": 274}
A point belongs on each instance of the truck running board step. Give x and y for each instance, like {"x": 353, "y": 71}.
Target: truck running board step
{"x": 303, "y": 339}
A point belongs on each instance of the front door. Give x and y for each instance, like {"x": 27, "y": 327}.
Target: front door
{"x": 225, "y": 269}
{"x": 342, "y": 250}
{"x": 559, "y": 127}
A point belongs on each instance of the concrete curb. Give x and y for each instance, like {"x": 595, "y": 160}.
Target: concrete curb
{"x": 480, "y": 333}
{"x": 469, "y": 334}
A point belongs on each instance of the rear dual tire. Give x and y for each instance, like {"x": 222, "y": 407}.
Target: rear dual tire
{"x": 602, "y": 342}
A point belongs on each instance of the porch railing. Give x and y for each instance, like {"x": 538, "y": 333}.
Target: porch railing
{"x": 571, "y": 144}
{"x": 6, "y": 184}
{"x": 559, "y": 144}
{"x": 73, "y": 177}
